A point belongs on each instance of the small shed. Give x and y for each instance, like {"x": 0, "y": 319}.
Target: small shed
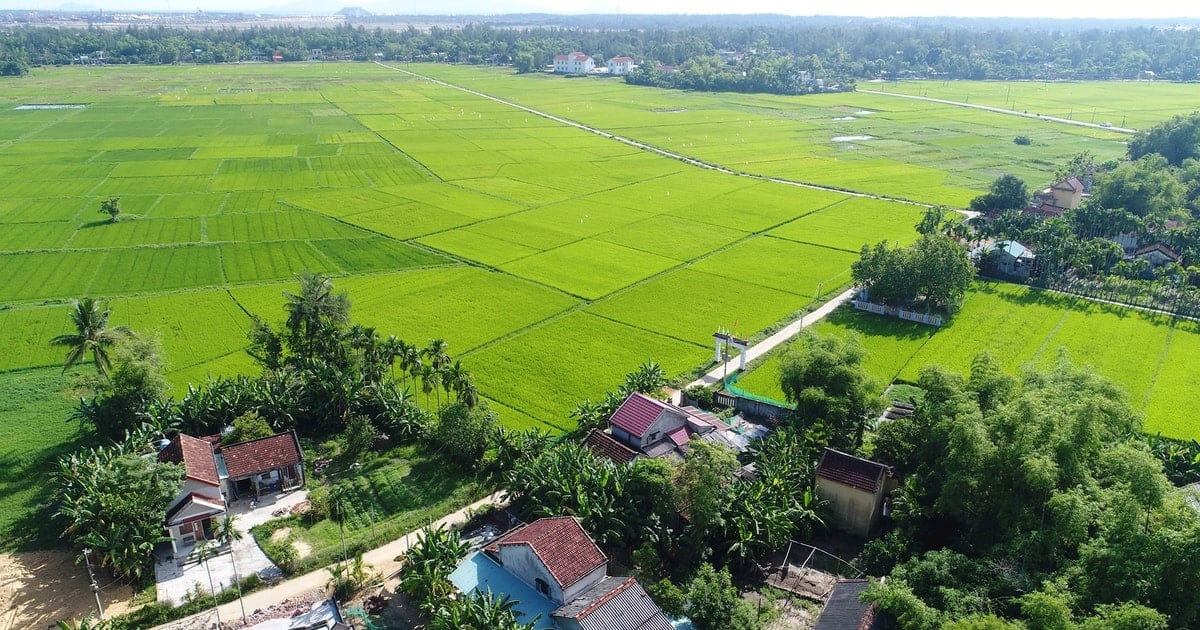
{"x": 855, "y": 489}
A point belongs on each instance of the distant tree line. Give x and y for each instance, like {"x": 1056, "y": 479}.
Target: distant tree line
{"x": 772, "y": 54}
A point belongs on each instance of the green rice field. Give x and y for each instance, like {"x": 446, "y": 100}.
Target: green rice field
{"x": 550, "y": 258}
{"x": 1147, "y": 353}
{"x": 902, "y": 148}
{"x": 1130, "y": 104}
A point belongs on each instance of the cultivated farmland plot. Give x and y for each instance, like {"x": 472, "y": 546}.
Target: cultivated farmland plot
{"x": 1018, "y": 326}
{"x": 551, "y": 259}
{"x": 901, "y": 148}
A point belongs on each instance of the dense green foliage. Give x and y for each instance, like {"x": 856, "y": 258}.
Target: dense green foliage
{"x": 956, "y": 49}
{"x": 1008, "y": 192}
{"x": 824, "y": 377}
{"x": 1177, "y": 140}
{"x": 1040, "y": 483}
{"x": 113, "y": 500}
{"x": 934, "y": 271}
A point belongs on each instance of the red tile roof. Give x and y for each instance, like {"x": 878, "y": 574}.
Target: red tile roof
{"x": 605, "y": 445}
{"x": 852, "y": 471}
{"x": 637, "y": 413}
{"x": 1160, "y": 248}
{"x": 621, "y": 60}
{"x": 196, "y": 455}
{"x": 261, "y": 455}
{"x": 679, "y": 436}
{"x": 561, "y": 544}
{"x": 560, "y": 57}
{"x": 578, "y": 56}
{"x": 1071, "y": 184}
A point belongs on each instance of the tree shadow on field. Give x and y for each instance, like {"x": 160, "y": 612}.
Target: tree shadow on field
{"x": 870, "y": 325}
{"x": 96, "y": 223}
{"x": 1034, "y": 296}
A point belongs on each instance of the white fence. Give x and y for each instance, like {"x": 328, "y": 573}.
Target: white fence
{"x": 892, "y": 311}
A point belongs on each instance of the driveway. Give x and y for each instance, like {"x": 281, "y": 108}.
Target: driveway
{"x": 179, "y": 575}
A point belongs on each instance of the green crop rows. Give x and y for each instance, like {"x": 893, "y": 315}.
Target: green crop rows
{"x": 553, "y": 260}
{"x": 1144, "y": 352}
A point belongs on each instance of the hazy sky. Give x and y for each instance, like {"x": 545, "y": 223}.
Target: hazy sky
{"x": 872, "y": 8}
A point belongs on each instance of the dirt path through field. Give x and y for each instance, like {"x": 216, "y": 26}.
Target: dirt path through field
{"x": 38, "y": 589}
{"x": 687, "y": 159}
{"x": 1000, "y": 110}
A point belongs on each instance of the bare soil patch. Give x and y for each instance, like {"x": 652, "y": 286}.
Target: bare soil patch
{"x": 38, "y": 589}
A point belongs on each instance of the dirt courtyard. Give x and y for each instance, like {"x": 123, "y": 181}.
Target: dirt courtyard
{"x": 38, "y": 589}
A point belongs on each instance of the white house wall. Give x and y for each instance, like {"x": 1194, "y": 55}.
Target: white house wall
{"x": 523, "y": 563}
{"x": 588, "y": 581}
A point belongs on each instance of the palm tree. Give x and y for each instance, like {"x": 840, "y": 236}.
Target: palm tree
{"x": 204, "y": 551}
{"x": 316, "y": 309}
{"x": 228, "y": 533}
{"x": 436, "y": 351}
{"x": 339, "y": 511}
{"x": 92, "y": 334}
{"x": 410, "y": 361}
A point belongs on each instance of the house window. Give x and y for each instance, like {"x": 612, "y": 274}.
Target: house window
{"x": 653, "y": 436}
{"x": 542, "y": 586}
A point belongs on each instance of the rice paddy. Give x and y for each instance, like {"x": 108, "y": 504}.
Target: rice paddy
{"x": 552, "y": 259}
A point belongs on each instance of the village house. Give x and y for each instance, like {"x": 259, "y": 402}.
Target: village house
{"x": 1057, "y": 199}
{"x": 856, "y": 490}
{"x": 552, "y": 568}
{"x": 573, "y": 63}
{"x": 1157, "y": 255}
{"x": 620, "y": 65}
{"x": 214, "y": 475}
{"x": 1005, "y": 259}
{"x": 653, "y": 428}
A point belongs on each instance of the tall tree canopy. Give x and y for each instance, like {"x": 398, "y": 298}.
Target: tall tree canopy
{"x": 824, "y": 377}
{"x": 1177, "y": 140}
{"x": 1008, "y": 192}
{"x": 935, "y": 269}
{"x": 1040, "y": 483}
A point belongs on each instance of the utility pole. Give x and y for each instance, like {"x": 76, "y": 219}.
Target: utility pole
{"x": 87, "y": 557}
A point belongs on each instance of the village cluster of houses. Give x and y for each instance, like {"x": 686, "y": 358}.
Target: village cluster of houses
{"x": 1013, "y": 260}
{"x": 551, "y": 567}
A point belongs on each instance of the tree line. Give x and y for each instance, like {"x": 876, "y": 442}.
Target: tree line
{"x": 837, "y": 51}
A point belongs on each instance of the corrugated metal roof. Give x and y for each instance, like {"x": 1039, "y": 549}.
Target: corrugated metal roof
{"x": 605, "y": 445}
{"x": 637, "y": 413}
{"x": 615, "y": 603}
{"x": 843, "y": 610}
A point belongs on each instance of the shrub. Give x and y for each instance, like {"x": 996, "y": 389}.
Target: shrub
{"x": 1023, "y": 140}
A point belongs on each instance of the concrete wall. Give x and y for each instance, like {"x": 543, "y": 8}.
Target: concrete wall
{"x": 851, "y": 510}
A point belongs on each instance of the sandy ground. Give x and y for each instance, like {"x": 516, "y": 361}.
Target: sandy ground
{"x": 41, "y": 588}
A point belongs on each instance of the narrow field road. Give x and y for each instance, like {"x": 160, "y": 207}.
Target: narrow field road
{"x": 999, "y": 110}
{"x": 717, "y": 374}
{"x": 648, "y": 147}
{"x": 382, "y": 559}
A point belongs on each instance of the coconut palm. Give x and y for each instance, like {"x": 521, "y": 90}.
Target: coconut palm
{"x": 92, "y": 334}
{"x": 314, "y": 311}
{"x": 204, "y": 551}
{"x": 228, "y": 533}
{"x": 339, "y": 512}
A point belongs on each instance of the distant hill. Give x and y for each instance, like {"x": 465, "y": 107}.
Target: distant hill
{"x": 354, "y": 12}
